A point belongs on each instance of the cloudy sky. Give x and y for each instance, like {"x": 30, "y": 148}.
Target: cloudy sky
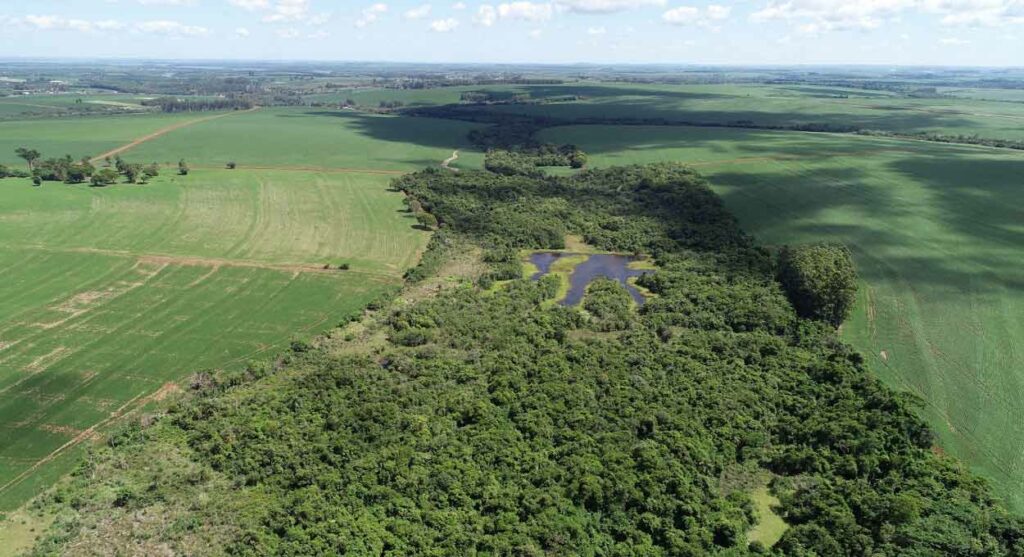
{"x": 934, "y": 32}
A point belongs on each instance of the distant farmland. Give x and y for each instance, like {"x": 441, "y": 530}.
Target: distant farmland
{"x": 110, "y": 294}
{"x": 936, "y": 231}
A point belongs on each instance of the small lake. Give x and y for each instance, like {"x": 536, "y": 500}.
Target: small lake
{"x": 615, "y": 267}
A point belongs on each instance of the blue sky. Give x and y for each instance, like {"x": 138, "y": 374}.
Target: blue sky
{"x": 897, "y": 32}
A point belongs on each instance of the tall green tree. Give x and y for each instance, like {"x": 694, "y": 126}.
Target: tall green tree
{"x": 820, "y": 279}
{"x": 30, "y": 156}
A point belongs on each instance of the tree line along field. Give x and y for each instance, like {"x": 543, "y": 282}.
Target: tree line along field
{"x": 936, "y": 233}
{"x": 110, "y": 295}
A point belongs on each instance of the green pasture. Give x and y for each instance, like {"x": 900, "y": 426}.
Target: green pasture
{"x": 311, "y": 137}
{"x": 936, "y": 231}
{"x": 108, "y": 294}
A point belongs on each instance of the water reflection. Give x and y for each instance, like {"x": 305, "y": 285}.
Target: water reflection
{"x": 615, "y": 267}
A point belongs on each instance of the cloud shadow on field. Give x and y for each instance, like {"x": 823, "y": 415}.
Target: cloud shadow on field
{"x": 981, "y": 197}
{"x": 981, "y": 225}
{"x": 425, "y": 132}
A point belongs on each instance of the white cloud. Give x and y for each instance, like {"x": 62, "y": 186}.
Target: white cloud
{"x": 280, "y": 11}
{"x": 536, "y": 33}
{"x": 716, "y": 12}
{"x": 444, "y": 25}
{"x": 288, "y": 33}
{"x": 288, "y": 10}
{"x": 606, "y": 6}
{"x": 251, "y": 5}
{"x": 596, "y": 31}
{"x": 58, "y": 23}
{"x": 418, "y": 12}
{"x": 954, "y": 41}
{"x": 526, "y": 11}
{"x": 689, "y": 15}
{"x": 812, "y": 16}
{"x": 459, "y": 6}
{"x": 977, "y": 13}
{"x": 371, "y": 14}
{"x": 242, "y": 32}
{"x": 486, "y": 15}
{"x": 170, "y": 28}
{"x": 683, "y": 15}
{"x": 167, "y": 2}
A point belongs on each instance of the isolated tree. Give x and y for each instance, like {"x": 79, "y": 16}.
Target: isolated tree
{"x": 820, "y": 279}
{"x": 182, "y": 168}
{"x": 30, "y": 156}
{"x": 37, "y": 181}
{"x": 231, "y": 165}
{"x": 151, "y": 171}
{"x": 119, "y": 163}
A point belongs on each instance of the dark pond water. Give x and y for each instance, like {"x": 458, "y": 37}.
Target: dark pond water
{"x": 615, "y": 267}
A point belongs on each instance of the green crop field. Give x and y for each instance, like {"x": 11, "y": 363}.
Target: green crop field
{"x": 936, "y": 231}
{"x": 776, "y": 105}
{"x": 108, "y": 295}
{"x": 80, "y": 136}
{"x": 19, "y": 106}
{"x": 311, "y": 137}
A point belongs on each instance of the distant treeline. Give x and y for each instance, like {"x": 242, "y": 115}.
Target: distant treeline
{"x": 178, "y": 104}
{"x": 948, "y": 138}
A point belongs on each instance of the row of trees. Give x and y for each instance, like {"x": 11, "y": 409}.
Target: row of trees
{"x": 190, "y": 104}
{"x": 67, "y": 170}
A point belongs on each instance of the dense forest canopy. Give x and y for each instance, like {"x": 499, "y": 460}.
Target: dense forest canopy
{"x": 494, "y": 422}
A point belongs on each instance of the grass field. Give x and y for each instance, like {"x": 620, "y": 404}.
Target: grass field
{"x": 936, "y": 231}
{"x": 108, "y": 295}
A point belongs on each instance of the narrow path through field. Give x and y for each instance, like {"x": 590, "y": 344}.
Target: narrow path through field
{"x": 446, "y": 163}
{"x": 162, "y": 131}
